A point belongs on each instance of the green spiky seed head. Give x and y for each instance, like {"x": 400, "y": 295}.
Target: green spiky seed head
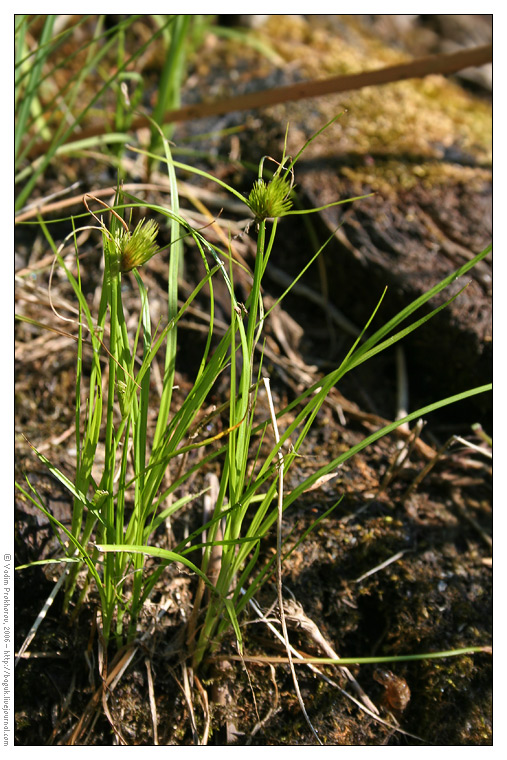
{"x": 270, "y": 200}
{"x": 136, "y": 248}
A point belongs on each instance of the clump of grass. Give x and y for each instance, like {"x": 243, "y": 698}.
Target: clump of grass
{"x": 114, "y": 545}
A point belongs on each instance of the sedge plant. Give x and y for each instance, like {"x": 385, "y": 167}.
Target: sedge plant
{"x": 116, "y": 516}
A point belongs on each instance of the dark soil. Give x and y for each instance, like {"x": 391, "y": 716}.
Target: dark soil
{"x": 436, "y": 595}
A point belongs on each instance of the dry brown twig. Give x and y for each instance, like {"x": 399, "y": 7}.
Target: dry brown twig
{"x": 444, "y": 63}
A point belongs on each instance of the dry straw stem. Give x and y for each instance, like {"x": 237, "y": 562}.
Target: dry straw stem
{"x": 279, "y": 558}
{"x": 444, "y": 63}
